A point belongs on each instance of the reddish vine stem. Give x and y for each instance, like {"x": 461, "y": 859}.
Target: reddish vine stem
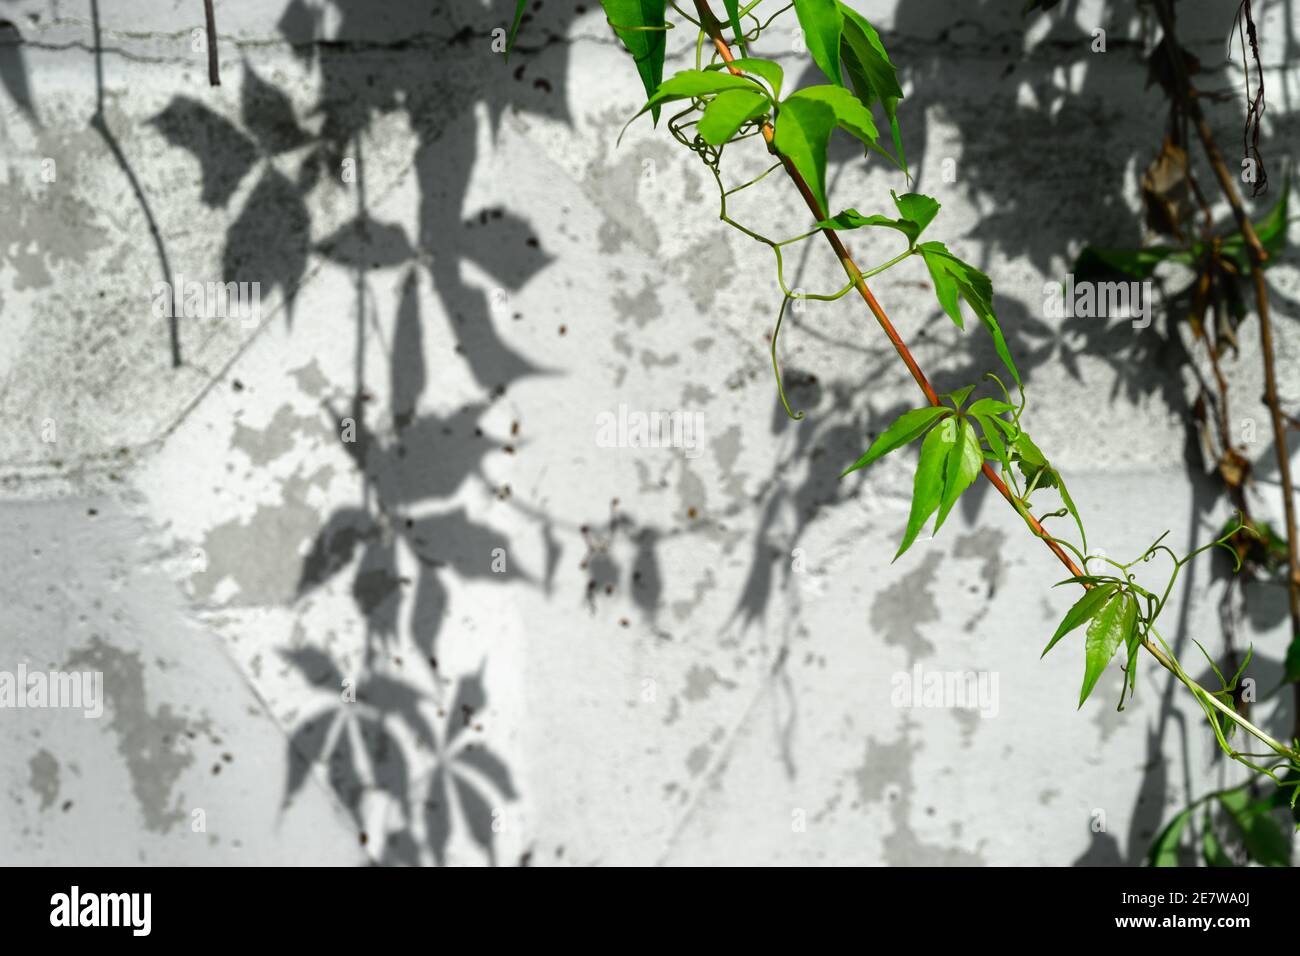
{"x": 714, "y": 30}
{"x": 214, "y": 72}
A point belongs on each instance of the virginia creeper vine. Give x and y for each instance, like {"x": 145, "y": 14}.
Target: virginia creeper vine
{"x": 730, "y": 100}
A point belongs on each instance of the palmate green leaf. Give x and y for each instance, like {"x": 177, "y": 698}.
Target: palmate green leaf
{"x": 1164, "y": 851}
{"x": 646, "y": 45}
{"x": 952, "y": 279}
{"x": 906, "y": 428}
{"x": 768, "y": 70}
{"x": 1084, "y": 610}
{"x": 871, "y": 73}
{"x": 822, "y": 24}
{"x": 1108, "y": 629}
{"x": 804, "y": 126}
{"x": 964, "y": 463}
{"x": 927, "y": 488}
{"x": 728, "y": 112}
{"x": 733, "y": 17}
{"x": 1266, "y": 842}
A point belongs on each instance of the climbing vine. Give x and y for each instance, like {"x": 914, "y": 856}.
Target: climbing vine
{"x": 731, "y": 102}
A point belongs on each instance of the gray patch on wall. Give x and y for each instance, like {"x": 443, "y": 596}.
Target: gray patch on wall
{"x": 45, "y": 777}
{"x": 147, "y": 741}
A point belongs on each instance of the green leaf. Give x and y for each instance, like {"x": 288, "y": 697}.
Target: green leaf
{"x": 850, "y": 115}
{"x": 927, "y": 489}
{"x": 1223, "y": 681}
{"x": 1033, "y": 463}
{"x": 1094, "y": 580}
{"x": 1096, "y": 264}
{"x": 1029, "y": 452}
{"x": 728, "y": 112}
{"x": 1271, "y": 232}
{"x": 768, "y": 70}
{"x": 852, "y": 219}
{"x": 803, "y": 130}
{"x": 953, "y": 278}
{"x": 822, "y": 24}
{"x": 1265, "y": 841}
{"x": 871, "y": 73}
{"x": 990, "y": 406}
{"x": 1164, "y": 851}
{"x": 958, "y": 396}
{"x": 993, "y": 436}
{"x": 804, "y": 126}
{"x": 646, "y": 45}
{"x": 1214, "y": 853}
{"x": 1084, "y": 610}
{"x": 520, "y": 6}
{"x": 964, "y": 462}
{"x": 916, "y": 207}
{"x": 689, "y": 84}
{"x": 1069, "y": 506}
{"x": 733, "y": 16}
{"x": 1105, "y": 634}
{"x": 917, "y": 212}
{"x": 1012, "y": 430}
{"x": 1132, "y": 640}
{"x": 906, "y": 428}
{"x": 1250, "y": 653}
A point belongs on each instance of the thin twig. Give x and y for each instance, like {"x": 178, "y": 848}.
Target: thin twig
{"x": 214, "y": 71}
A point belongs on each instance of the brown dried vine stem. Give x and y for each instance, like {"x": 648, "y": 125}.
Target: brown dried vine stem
{"x": 210, "y": 18}
{"x": 713, "y": 28}
{"x": 1258, "y": 256}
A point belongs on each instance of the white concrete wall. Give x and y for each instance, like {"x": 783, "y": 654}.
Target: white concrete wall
{"x": 700, "y": 699}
